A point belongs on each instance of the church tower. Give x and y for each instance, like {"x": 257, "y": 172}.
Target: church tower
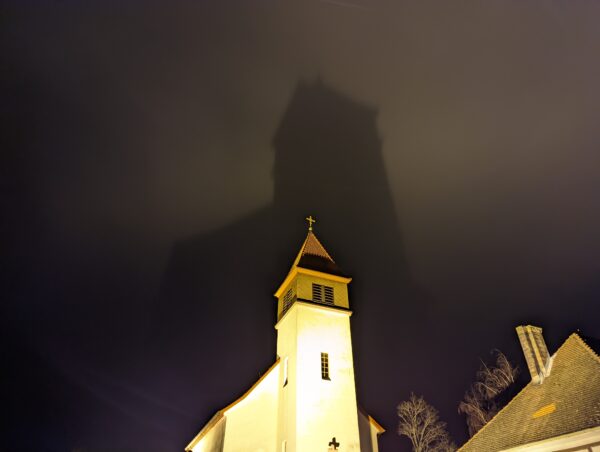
{"x": 306, "y": 401}
{"x": 318, "y": 402}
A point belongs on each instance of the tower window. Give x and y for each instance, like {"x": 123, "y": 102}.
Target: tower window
{"x": 325, "y": 366}
{"x": 322, "y": 294}
{"x": 285, "y": 371}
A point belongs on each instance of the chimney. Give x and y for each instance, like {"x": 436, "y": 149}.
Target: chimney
{"x": 535, "y": 351}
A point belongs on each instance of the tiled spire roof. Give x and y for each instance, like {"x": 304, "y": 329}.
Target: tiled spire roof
{"x": 314, "y": 256}
{"x": 312, "y": 246}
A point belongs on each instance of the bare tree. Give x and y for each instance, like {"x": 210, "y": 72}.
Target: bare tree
{"x": 480, "y": 403}
{"x": 420, "y": 422}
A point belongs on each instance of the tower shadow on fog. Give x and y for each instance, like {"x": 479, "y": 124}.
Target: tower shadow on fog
{"x": 216, "y": 311}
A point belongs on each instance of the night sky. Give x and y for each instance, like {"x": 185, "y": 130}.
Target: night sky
{"x": 158, "y": 160}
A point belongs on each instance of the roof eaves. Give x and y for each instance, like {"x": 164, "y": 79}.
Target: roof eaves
{"x": 208, "y": 427}
{"x": 221, "y": 413}
{"x": 371, "y": 420}
{"x": 377, "y": 425}
{"x": 478, "y": 433}
{"x": 585, "y": 345}
{"x": 247, "y": 393}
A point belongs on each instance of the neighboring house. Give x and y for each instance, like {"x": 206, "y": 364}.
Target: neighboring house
{"x": 306, "y": 401}
{"x": 559, "y": 410}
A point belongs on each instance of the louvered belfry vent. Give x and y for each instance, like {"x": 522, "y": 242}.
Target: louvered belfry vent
{"x": 317, "y": 292}
{"x": 288, "y": 300}
{"x": 322, "y": 294}
{"x": 328, "y": 294}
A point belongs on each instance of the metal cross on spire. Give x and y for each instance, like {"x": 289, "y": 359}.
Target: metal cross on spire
{"x": 310, "y": 220}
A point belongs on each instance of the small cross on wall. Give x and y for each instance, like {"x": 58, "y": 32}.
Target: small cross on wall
{"x": 333, "y": 444}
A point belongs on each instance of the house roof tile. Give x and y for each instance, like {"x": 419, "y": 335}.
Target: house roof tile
{"x": 567, "y": 401}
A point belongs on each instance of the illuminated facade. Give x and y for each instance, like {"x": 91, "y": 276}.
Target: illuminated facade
{"x": 306, "y": 401}
{"x": 558, "y": 411}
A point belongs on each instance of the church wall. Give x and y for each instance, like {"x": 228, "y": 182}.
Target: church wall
{"x": 252, "y": 421}
{"x": 374, "y": 438}
{"x": 325, "y": 408}
{"x": 286, "y": 348}
{"x": 213, "y": 440}
{"x": 364, "y": 428}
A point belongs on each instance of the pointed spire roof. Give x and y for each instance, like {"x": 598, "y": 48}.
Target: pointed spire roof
{"x": 314, "y": 256}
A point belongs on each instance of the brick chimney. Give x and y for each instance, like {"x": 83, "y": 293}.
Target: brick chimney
{"x": 535, "y": 351}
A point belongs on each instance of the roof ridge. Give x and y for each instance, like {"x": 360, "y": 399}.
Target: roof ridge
{"x": 585, "y": 345}
{"x": 496, "y": 415}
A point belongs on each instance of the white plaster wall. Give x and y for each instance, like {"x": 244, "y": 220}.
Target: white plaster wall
{"x": 364, "y": 428}
{"x": 286, "y": 348}
{"x": 213, "y": 440}
{"x": 374, "y": 439}
{"x": 325, "y": 409}
{"x": 252, "y": 422}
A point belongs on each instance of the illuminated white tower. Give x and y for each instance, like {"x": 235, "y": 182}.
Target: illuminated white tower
{"x": 306, "y": 401}
{"x": 318, "y": 402}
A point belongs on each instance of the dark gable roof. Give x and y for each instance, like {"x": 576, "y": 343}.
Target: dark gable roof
{"x": 567, "y": 401}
